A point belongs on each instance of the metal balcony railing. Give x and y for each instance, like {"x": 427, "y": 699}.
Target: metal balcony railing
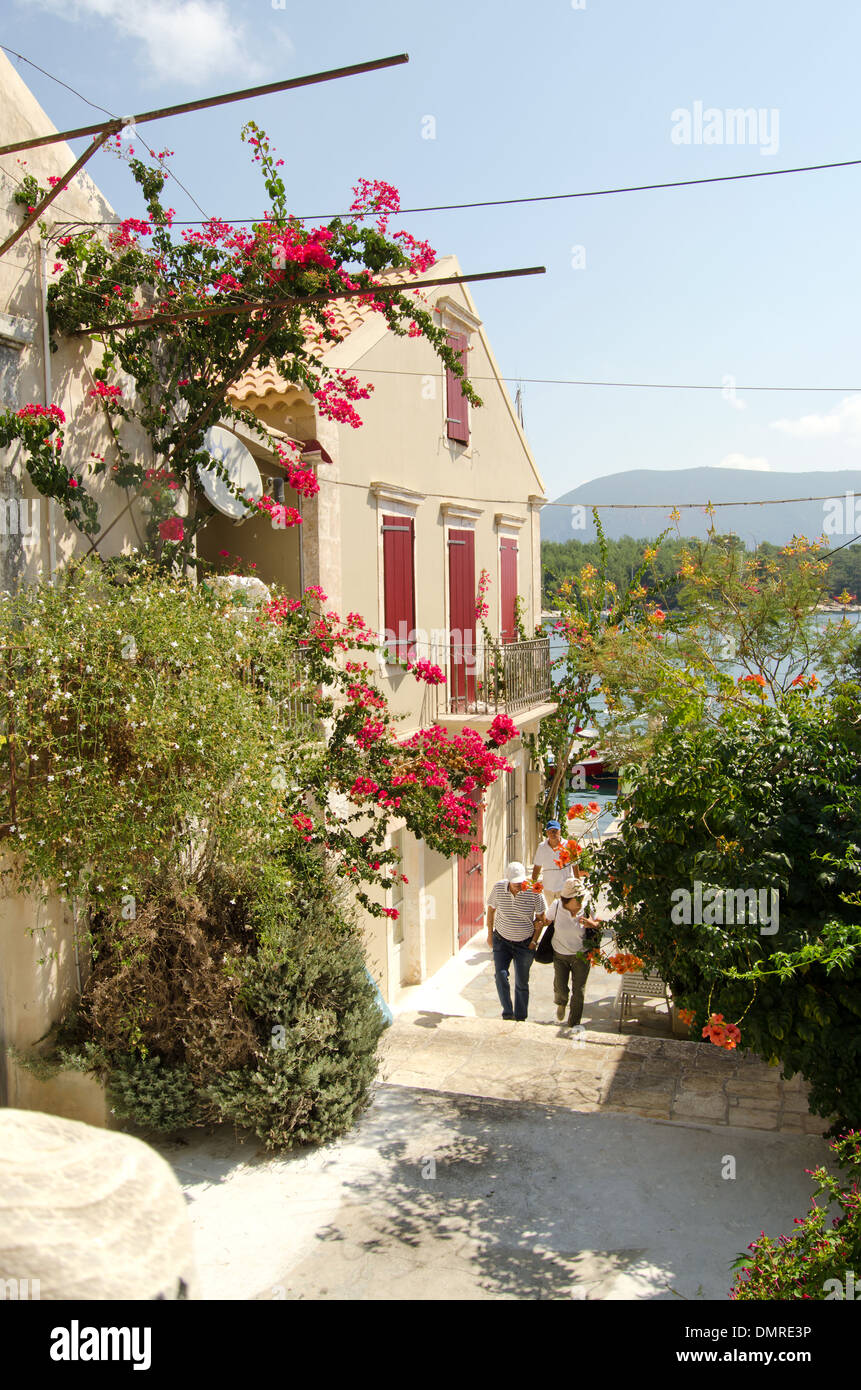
{"x": 490, "y": 678}
{"x": 291, "y": 696}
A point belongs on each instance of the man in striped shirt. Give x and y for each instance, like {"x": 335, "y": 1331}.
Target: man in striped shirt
{"x": 512, "y": 932}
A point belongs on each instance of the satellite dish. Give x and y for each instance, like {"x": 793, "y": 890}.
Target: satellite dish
{"x": 243, "y": 472}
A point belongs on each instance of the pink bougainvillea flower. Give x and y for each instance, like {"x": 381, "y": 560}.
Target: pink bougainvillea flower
{"x": 171, "y": 529}
{"x": 501, "y": 730}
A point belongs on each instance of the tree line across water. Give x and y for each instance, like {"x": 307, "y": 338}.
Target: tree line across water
{"x": 562, "y": 560}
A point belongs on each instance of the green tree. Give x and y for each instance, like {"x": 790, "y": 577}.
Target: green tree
{"x": 737, "y": 869}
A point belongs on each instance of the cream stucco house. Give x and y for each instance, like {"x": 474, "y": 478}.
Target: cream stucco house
{"x": 412, "y": 508}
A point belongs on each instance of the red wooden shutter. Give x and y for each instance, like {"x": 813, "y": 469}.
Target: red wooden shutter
{"x": 398, "y": 585}
{"x": 457, "y": 406}
{"x": 508, "y": 587}
{"x": 461, "y": 575}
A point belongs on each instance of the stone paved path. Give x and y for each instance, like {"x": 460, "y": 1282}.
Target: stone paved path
{"x": 661, "y": 1078}
{"x": 437, "y": 1196}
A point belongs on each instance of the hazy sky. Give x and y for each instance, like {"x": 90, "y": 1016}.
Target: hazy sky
{"x": 748, "y": 283}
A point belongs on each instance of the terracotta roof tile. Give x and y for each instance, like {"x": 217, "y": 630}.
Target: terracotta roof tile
{"x": 348, "y": 315}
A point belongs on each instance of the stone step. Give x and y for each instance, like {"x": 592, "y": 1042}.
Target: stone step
{"x": 662, "y": 1078}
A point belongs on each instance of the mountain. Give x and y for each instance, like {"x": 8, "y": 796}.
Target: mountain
{"x": 840, "y": 519}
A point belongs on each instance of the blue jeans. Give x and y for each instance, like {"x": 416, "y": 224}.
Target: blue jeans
{"x": 503, "y": 953}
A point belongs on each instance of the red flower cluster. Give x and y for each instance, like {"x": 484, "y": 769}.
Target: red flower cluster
{"x": 371, "y": 732}
{"x": 570, "y": 850}
{"x": 296, "y": 246}
{"x": 622, "y": 963}
{"x": 123, "y": 235}
{"x": 302, "y": 480}
{"x": 375, "y": 195}
{"x": 50, "y": 412}
{"x": 366, "y": 697}
{"x": 334, "y": 399}
{"x": 364, "y": 786}
{"x": 102, "y": 391}
{"x": 280, "y": 514}
{"x": 722, "y": 1034}
{"x": 171, "y": 529}
{"x": 482, "y": 607}
{"x": 423, "y": 670}
{"x": 501, "y": 730}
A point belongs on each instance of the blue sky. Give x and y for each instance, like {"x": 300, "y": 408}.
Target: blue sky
{"x": 753, "y": 282}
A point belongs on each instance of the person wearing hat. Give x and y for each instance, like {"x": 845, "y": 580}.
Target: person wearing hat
{"x": 515, "y": 916}
{"x": 544, "y": 864}
{"x": 572, "y": 930}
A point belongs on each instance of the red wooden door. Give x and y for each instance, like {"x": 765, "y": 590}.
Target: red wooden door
{"x": 508, "y": 588}
{"x": 470, "y": 888}
{"x": 461, "y": 580}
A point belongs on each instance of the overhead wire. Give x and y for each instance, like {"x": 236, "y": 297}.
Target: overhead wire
{"x": 96, "y": 107}
{"x": 558, "y": 197}
{"x": 508, "y": 202}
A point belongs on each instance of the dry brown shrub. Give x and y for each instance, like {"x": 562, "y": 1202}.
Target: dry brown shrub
{"x": 168, "y": 981}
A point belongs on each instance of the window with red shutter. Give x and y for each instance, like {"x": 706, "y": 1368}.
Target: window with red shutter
{"x": 457, "y": 406}
{"x": 461, "y": 579}
{"x": 398, "y": 583}
{"x": 508, "y": 588}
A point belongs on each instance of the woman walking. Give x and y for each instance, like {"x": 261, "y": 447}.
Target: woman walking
{"x": 573, "y": 936}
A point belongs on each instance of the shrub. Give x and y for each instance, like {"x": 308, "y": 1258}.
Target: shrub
{"x": 768, "y": 799}
{"x": 814, "y": 1262}
{"x": 255, "y": 1009}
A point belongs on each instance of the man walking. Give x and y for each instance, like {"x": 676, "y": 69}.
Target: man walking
{"x": 512, "y": 932}
{"x": 544, "y": 864}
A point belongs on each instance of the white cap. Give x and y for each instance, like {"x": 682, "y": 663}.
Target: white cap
{"x": 516, "y": 873}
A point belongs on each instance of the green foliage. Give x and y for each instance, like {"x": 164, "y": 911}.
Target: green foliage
{"x": 561, "y": 561}
{"x": 117, "y": 699}
{"x": 824, "y": 1250}
{"x": 768, "y": 798}
{"x": 164, "y": 763}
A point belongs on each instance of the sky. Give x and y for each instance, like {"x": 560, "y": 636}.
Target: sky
{"x": 732, "y": 285}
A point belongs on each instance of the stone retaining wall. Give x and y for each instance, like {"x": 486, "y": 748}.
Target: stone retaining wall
{"x": 683, "y": 1082}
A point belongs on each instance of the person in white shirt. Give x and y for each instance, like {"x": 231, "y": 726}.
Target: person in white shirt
{"x": 571, "y": 933}
{"x": 544, "y": 864}
{"x": 515, "y": 915}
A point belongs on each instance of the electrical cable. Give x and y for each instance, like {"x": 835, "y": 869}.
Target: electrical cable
{"x": 114, "y": 117}
{"x": 556, "y": 197}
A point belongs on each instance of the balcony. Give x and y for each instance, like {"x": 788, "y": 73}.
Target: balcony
{"x": 512, "y": 678}
{"x": 290, "y": 696}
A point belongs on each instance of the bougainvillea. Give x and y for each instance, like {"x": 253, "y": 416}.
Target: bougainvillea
{"x": 178, "y": 371}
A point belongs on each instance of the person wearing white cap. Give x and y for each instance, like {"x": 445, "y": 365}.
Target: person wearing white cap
{"x": 515, "y": 915}
{"x": 571, "y": 940}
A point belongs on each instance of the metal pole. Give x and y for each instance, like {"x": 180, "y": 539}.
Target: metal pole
{"x": 57, "y": 189}
{"x": 255, "y": 306}
{"x": 183, "y": 107}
